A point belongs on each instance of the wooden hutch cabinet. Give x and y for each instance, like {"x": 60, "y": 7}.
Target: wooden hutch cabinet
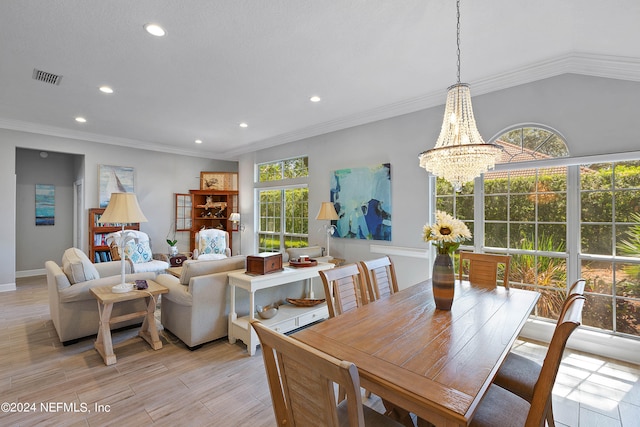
{"x": 212, "y": 209}
{"x": 99, "y": 251}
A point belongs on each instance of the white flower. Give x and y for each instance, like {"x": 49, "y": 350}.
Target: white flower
{"x": 447, "y": 233}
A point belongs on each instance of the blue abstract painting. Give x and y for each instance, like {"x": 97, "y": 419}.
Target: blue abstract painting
{"x": 362, "y": 198}
{"x": 45, "y": 204}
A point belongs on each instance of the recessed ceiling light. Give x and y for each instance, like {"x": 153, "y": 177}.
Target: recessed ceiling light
{"x": 106, "y": 89}
{"x": 155, "y": 30}
{"x": 314, "y": 98}
{"x": 81, "y": 120}
{"x": 198, "y": 141}
{"x": 244, "y": 125}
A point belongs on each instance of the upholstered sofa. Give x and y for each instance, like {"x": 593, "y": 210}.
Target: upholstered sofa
{"x": 74, "y": 310}
{"x": 196, "y": 308}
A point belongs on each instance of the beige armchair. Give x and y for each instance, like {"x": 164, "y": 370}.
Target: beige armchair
{"x": 74, "y": 310}
{"x": 138, "y": 252}
{"x": 211, "y": 244}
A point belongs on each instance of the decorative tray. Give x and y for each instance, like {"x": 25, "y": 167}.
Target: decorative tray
{"x": 308, "y": 263}
{"x": 305, "y": 302}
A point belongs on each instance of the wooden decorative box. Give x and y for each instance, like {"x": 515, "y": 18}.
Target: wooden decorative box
{"x": 177, "y": 260}
{"x": 264, "y": 263}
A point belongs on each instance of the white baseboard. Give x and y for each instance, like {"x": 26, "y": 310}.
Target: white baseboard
{"x": 6, "y": 287}
{"x": 589, "y": 341}
{"x": 31, "y": 273}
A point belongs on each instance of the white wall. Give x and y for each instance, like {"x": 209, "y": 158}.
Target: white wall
{"x": 158, "y": 177}
{"x": 596, "y": 115}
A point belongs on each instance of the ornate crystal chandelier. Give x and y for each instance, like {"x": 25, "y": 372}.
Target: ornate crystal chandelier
{"x": 460, "y": 153}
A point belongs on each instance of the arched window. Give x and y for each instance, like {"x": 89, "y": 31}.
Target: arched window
{"x": 525, "y": 143}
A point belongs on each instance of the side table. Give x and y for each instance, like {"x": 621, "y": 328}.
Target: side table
{"x": 175, "y": 271}
{"x": 107, "y": 298}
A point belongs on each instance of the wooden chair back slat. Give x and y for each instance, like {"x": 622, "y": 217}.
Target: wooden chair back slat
{"x": 301, "y": 382}
{"x": 483, "y": 268}
{"x": 544, "y": 385}
{"x": 343, "y": 289}
{"x": 380, "y": 277}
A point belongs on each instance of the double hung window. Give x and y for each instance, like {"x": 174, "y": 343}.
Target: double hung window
{"x": 283, "y": 199}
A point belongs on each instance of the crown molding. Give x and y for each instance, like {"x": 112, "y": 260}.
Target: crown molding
{"x": 613, "y": 67}
{"x": 41, "y": 129}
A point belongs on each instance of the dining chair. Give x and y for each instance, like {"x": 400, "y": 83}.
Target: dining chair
{"x": 519, "y": 374}
{"x": 301, "y": 380}
{"x": 483, "y": 268}
{"x": 343, "y": 288}
{"x": 500, "y": 407}
{"x": 380, "y": 276}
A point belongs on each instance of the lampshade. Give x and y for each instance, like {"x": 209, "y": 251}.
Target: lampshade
{"x": 123, "y": 208}
{"x": 235, "y": 217}
{"x": 460, "y": 153}
{"x": 327, "y": 211}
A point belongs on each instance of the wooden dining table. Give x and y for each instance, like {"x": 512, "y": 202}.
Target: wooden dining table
{"x": 434, "y": 363}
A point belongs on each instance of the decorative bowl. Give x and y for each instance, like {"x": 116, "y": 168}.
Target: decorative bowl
{"x": 267, "y": 312}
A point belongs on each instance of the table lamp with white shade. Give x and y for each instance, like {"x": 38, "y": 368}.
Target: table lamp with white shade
{"x": 123, "y": 208}
{"x": 328, "y": 212}
{"x": 235, "y": 218}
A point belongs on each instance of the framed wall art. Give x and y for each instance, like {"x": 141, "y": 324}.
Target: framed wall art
{"x": 115, "y": 179}
{"x": 362, "y": 198}
{"x": 45, "y": 204}
{"x": 223, "y": 181}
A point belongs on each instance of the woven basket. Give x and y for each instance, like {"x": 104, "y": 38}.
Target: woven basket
{"x": 304, "y": 302}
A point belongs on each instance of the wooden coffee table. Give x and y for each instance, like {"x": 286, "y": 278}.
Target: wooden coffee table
{"x": 107, "y": 298}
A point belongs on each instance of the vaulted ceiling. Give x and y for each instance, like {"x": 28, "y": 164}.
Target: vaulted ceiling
{"x": 258, "y": 62}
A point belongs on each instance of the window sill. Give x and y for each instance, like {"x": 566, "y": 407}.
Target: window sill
{"x": 589, "y": 341}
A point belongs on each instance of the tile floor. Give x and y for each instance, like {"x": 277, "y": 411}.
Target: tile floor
{"x": 591, "y": 391}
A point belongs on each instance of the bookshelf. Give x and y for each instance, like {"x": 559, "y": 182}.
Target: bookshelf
{"x": 99, "y": 251}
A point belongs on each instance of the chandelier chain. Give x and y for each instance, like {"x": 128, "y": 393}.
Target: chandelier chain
{"x": 458, "y": 37}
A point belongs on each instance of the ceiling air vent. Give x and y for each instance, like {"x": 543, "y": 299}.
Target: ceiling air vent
{"x": 45, "y": 77}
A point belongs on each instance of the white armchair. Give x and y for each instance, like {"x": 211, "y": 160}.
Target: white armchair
{"x": 138, "y": 252}
{"x": 211, "y": 244}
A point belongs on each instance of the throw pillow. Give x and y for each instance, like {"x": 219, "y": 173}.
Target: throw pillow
{"x": 77, "y": 266}
{"x": 213, "y": 244}
{"x": 138, "y": 252}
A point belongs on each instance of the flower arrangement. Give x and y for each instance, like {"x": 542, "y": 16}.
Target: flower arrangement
{"x": 446, "y": 234}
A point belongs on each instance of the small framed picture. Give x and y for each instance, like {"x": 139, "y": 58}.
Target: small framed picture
{"x": 223, "y": 181}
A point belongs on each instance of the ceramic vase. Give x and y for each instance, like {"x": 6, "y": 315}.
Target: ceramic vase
{"x": 443, "y": 281}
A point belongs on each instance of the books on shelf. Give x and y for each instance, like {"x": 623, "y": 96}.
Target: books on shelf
{"x": 102, "y": 256}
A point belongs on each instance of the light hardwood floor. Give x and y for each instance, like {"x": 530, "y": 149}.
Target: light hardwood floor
{"x": 217, "y": 385}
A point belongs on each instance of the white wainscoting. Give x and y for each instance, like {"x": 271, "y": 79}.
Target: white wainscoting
{"x": 400, "y": 251}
